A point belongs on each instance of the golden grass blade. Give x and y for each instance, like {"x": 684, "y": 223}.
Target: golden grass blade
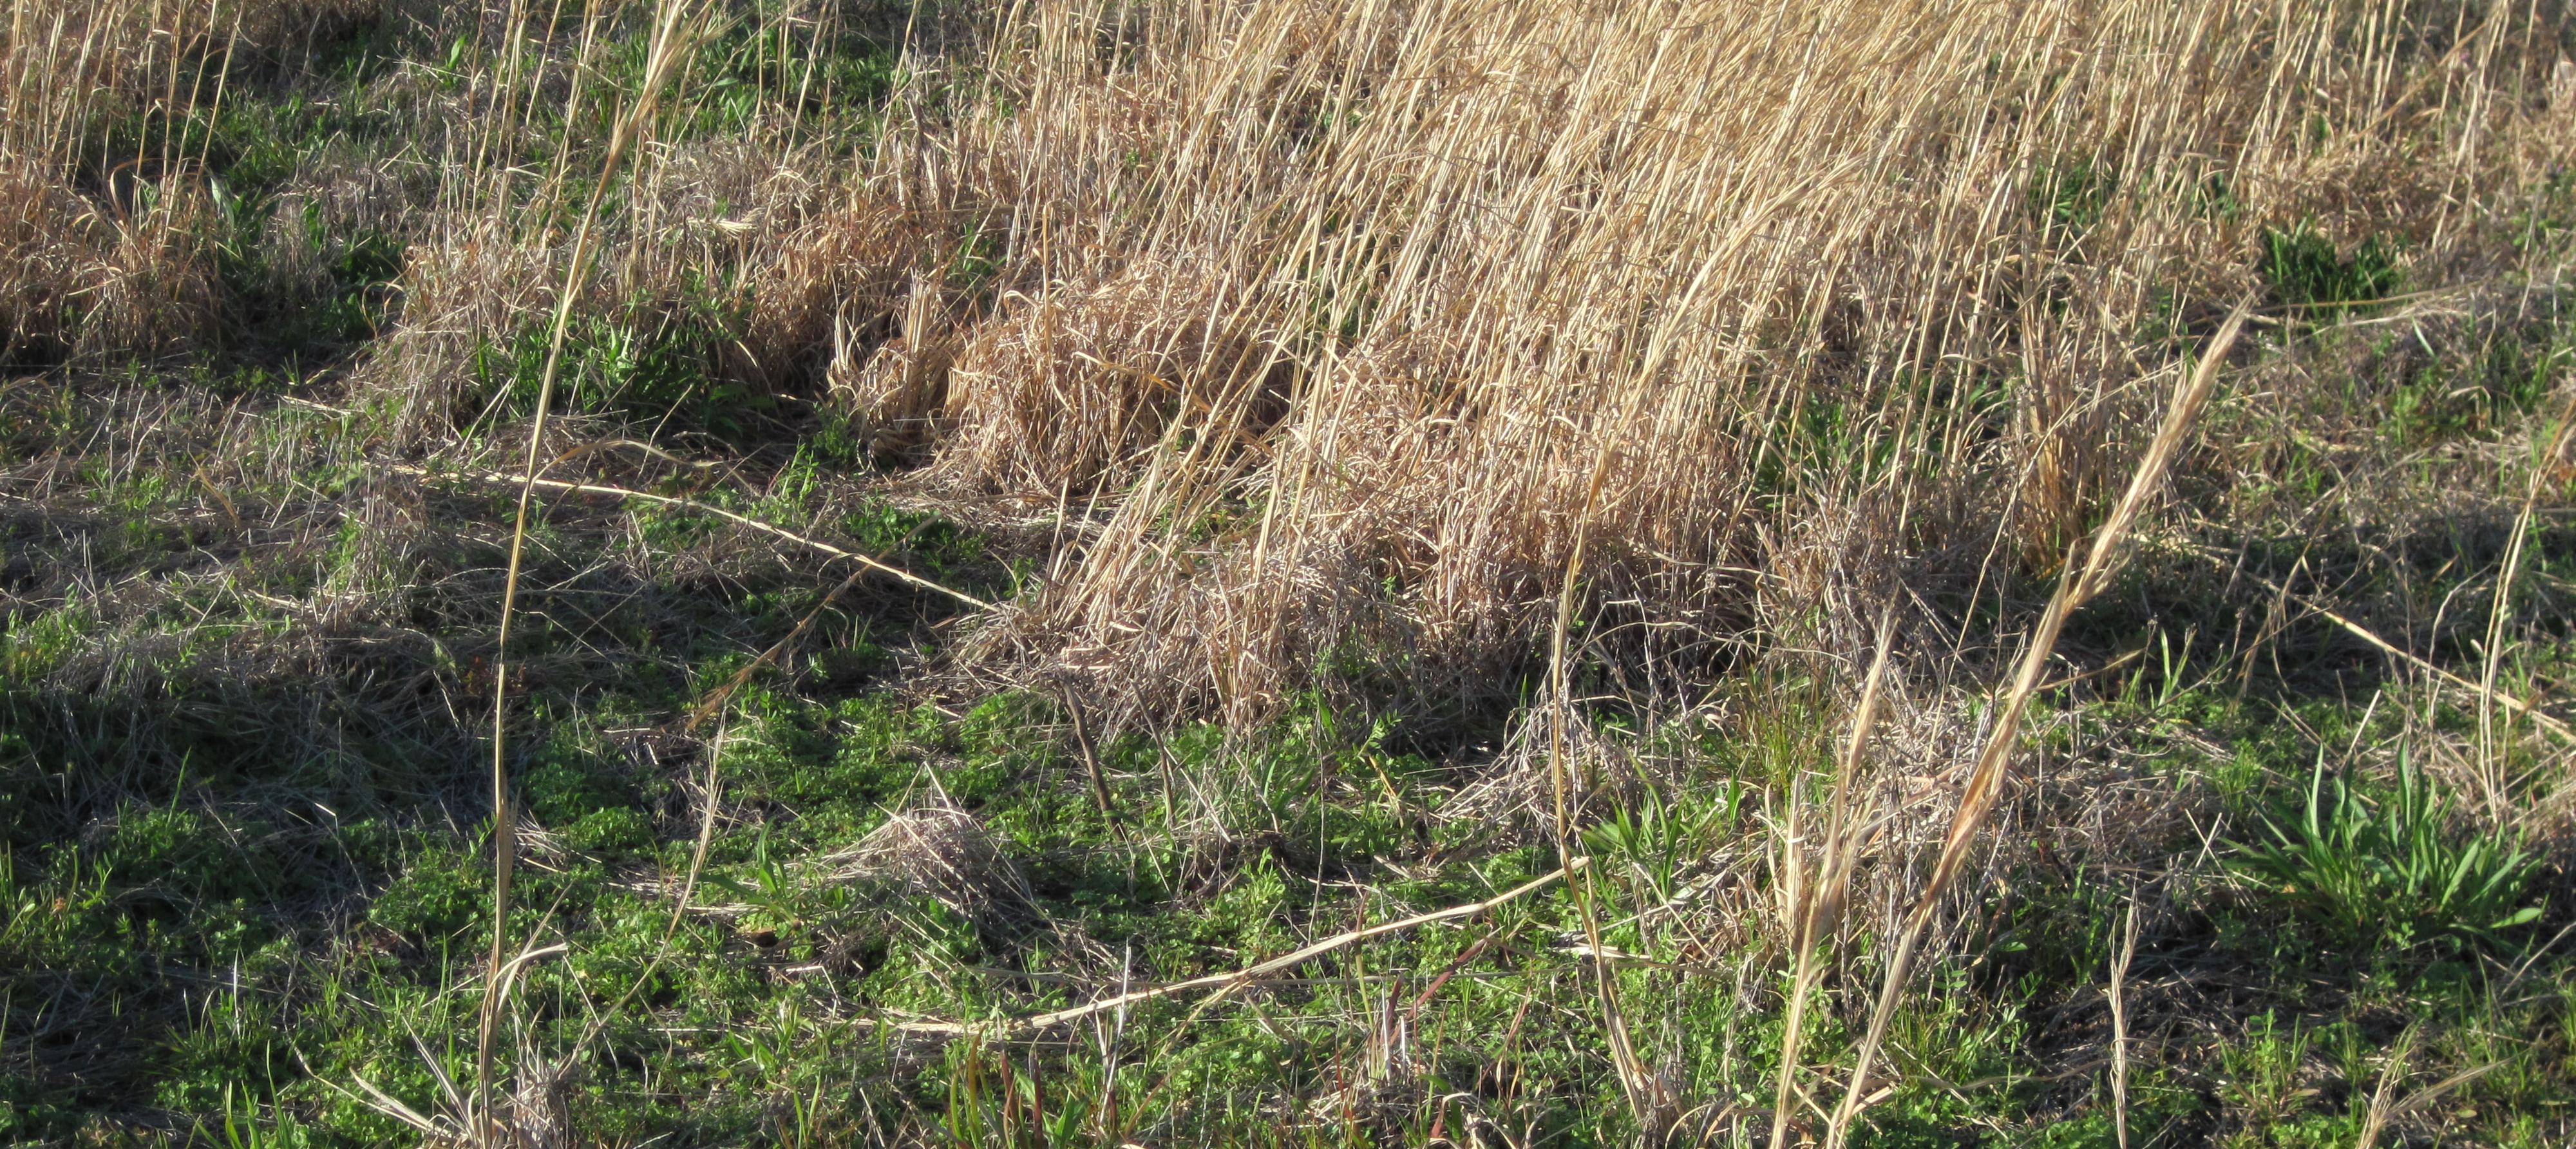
{"x": 1815, "y": 892}
{"x": 1985, "y": 780}
{"x": 1225, "y": 984}
{"x": 806, "y": 541}
{"x": 2469, "y": 690}
{"x": 2500, "y": 611}
{"x": 2118, "y": 994}
{"x": 669, "y": 42}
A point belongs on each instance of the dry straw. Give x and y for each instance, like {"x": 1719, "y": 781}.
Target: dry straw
{"x": 1332, "y": 329}
{"x": 676, "y": 24}
{"x": 1985, "y": 782}
{"x": 1813, "y": 892}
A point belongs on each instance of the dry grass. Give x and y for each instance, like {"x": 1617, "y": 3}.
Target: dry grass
{"x": 1452, "y": 355}
{"x": 98, "y": 284}
{"x": 1309, "y": 294}
{"x": 109, "y": 252}
{"x": 936, "y": 850}
{"x": 1308, "y": 326}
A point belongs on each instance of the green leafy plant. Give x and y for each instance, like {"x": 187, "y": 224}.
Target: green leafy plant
{"x": 2392, "y": 870}
{"x": 2306, "y": 267}
{"x": 769, "y": 888}
{"x": 1652, "y": 844}
{"x": 2071, "y": 197}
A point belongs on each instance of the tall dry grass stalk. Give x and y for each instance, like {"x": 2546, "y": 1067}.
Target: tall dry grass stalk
{"x": 1814, "y": 882}
{"x": 2118, "y": 996}
{"x": 1643, "y": 1092}
{"x": 676, "y": 23}
{"x": 1986, "y": 780}
{"x": 2545, "y": 466}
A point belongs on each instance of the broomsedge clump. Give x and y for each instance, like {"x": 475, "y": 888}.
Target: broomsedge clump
{"x": 1401, "y": 276}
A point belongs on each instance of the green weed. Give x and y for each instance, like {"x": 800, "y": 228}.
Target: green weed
{"x": 2390, "y": 870}
{"x": 2071, "y": 197}
{"x": 2306, "y": 268}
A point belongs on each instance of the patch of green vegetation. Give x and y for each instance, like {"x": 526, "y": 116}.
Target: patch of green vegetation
{"x": 977, "y": 261}
{"x": 662, "y": 368}
{"x": 2390, "y": 870}
{"x": 2542, "y": 224}
{"x": 2214, "y": 197}
{"x": 2496, "y": 386}
{"x": 297, "y": 315}
{"x": 2070, "y": 197}
{"x": 746, "y": 73}
{"x": 2263, "y": 1082}
{"x": 747, "y": 1020}
{"x": 2308, "y": 269}
{"x": 1826, "y": 436}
